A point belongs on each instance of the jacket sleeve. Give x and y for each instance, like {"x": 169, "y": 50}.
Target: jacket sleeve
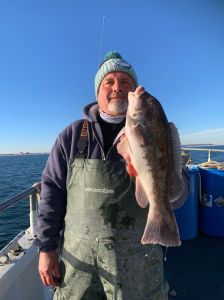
{"x": 52, "y": 205}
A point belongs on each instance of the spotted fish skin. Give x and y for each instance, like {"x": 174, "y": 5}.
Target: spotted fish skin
{"x": 151, "y": 148}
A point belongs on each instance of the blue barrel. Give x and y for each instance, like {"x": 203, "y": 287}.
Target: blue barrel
{"x": 187, "y": 215}
{"x": 211, "y": 209}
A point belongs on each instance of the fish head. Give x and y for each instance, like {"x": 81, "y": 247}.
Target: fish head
{"x": 144, "y": 109}
{"x": 146, "y": 122}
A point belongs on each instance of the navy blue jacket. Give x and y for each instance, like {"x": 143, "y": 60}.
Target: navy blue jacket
{"x": 52, "y": 206}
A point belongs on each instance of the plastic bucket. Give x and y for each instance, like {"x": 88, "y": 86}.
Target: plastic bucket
{"x": 187, "y": 215}
{"x": 211, "y": 209}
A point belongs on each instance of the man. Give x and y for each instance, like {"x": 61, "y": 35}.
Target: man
{"x": 89, "y": 197}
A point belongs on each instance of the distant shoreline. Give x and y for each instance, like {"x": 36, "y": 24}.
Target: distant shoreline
{"x": 24, "y": 154}
{"x": 200, "y": 145}
{"x": 47, "y": 153}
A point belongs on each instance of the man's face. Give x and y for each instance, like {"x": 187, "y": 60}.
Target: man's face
{"x": 113, "y": 93}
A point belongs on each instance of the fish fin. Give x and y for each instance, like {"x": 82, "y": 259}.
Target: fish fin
{"x": 123, "y": 149}
{"x": 161, "y": 228}
{"x": 140, "y": 194}
{"x": 176, "y": 147}
{"x": 176, "y": 182}
{"x": 131, "y": 170}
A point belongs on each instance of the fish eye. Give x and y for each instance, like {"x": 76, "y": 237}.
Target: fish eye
{"x": 150, "y": 101}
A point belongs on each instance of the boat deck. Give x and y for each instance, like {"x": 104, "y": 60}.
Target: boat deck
{"x": 195, "y": 271}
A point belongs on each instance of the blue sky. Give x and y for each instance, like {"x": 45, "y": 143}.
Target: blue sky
{"x": 49, "y": 56}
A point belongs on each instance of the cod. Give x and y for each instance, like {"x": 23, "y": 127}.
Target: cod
{"x": 151, "y": 148}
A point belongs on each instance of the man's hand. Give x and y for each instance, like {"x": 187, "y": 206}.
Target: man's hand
{"x": 49, "y": 268}
{"x": 123, "y": 149}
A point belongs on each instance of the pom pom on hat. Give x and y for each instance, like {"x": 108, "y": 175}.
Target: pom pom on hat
{"x": 113, "y": 62}
{"x": 110, "y": 55}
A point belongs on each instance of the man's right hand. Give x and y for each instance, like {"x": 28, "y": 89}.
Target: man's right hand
{"x": 49, "y": 268}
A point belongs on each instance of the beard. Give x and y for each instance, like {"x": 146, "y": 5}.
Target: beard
{"x": 118, "y": 106}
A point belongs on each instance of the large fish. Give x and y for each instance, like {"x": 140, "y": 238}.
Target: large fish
{"x": 151, "y": 148}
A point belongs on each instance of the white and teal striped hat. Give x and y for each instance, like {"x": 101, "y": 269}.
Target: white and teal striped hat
{"x": 113, "y": 62}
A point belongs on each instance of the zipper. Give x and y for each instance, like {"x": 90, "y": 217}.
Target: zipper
{"x": 115, "y": 140}
{"x": 97, "y": 139}
{"x": 104, "y": 157}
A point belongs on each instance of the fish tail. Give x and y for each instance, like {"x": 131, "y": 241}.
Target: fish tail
{"x": 161, "y": 228}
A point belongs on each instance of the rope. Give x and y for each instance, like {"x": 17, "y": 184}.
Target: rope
{"x": 212, "y": 165}
{"x": 4, "y": 259}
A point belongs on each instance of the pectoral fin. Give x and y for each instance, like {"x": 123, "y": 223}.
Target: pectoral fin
{"x": 123, "y": 149}
{"x": 131, "y": 170}
{"x": 140, "y": 194}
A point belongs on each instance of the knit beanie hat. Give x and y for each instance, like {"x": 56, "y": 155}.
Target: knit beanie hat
{"x": 113, "y": 62}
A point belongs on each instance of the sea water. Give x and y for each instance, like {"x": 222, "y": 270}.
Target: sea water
{"x": 18, "y": 173}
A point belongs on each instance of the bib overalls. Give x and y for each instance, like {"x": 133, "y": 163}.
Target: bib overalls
{"x": 101, "y": 256}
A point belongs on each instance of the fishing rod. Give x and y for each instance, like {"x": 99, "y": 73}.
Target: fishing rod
{"x": 101, "y": 40}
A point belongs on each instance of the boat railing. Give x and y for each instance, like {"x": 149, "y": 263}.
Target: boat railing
{"x": 213, "y": 164}
{"x": 34, "y": 195}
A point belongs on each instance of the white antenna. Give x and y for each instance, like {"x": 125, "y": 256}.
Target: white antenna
{"x": 101, "y": 40}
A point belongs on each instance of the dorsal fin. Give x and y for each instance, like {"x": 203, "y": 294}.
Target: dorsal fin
{"x": 176, "y": 185}
{"x": 176, "y": 148}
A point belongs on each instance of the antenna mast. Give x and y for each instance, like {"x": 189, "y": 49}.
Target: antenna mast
{"x": 101, "y": 40}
